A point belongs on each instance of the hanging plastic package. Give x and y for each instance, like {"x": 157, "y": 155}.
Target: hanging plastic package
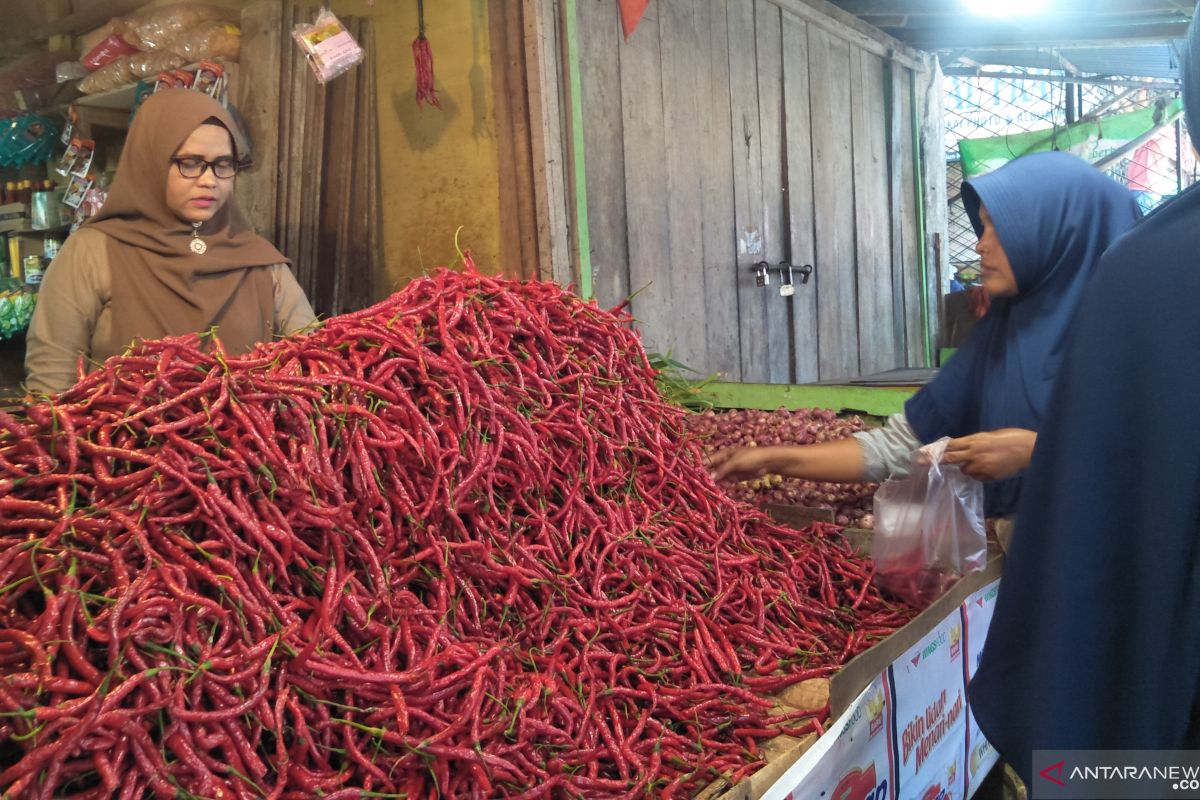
{"x": 27, "y": 139}
{"x": 328, "y": 46}
{"x": 929, "y": 528}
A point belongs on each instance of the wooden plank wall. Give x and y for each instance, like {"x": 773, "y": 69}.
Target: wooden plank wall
{"x": 544, "y": 75}
{"x": 683, "y": 32}
{"x": 729, "y": 132}
{"x": 910, "y": 242}
{"x": 747, "y": 187}
{"x": 894, "y": 76}
{"x": 768, "y": 30}
{"x": 314, "y": 191}
{"x": 877, "y": 351}
{"x": 600, "y": 78}
{"x": 258, "y": 99}
{"x": 932, "y": 112}
{"x": 348, "y": 221}
{"x": 801, "y": 213}
{"x": 833, "y": 171}
{"x": 660, "y": 212}
{"x": 714, "y": 118}
{"x": 510, "y": 81}
{"x": 647, "y": 196}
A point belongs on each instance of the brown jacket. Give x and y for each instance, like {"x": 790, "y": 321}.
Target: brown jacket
{"x": 73, "y": 316}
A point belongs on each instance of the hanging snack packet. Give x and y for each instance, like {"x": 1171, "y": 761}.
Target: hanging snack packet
{"x": 69, "y": 131}
{"x": 328, "y": 46}
{"x": 76, "y": 191}
{"x": 67, "y": 162}
{"x": 83, "y": 157}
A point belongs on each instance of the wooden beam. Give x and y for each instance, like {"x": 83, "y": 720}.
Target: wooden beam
{"x": 967, "y": 72}
{"x": 545, "y": 112}
{"x": 829, "y": 17}
{"x": 258, "y": 99}
{"x": 953, "y": 8}
{"x": 976, "y": 35}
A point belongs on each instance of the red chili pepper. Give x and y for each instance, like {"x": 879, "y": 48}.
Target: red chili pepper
{"x": 461, "y": 526}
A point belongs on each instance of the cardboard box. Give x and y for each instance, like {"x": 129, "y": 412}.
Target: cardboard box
{"x": 849, "y": 682}
{"x": 854, "y": 677}
{"x": 14, "y": 217}
{"x": 780, "y": 752}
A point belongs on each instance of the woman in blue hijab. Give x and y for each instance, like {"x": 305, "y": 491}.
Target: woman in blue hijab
{"x": 1095, "y": 642}
{"x": 1042, "y": 221}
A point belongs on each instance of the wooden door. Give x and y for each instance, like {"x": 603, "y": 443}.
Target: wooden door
{"x": 727, "y": 134}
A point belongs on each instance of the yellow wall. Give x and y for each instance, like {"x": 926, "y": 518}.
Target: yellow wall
{"x": 439, "y": 167}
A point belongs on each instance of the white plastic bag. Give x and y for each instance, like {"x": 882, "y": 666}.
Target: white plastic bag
{"x": 929, "y": 528}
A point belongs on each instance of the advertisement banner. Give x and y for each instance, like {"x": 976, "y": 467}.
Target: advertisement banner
{"x": 1091, "y": 140}
{"x": 909, "y": 735}
{"x": 977, "y": 609}
{"x": 930, "y": 710}
{"x": 853, "y": 760}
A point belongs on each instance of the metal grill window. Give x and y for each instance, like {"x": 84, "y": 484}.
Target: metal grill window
{"x": 1029, "y": 99}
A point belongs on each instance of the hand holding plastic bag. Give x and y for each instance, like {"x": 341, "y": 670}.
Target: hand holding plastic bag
{"x": 929, "y": 528}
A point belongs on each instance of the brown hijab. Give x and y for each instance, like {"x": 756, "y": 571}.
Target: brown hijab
{"x": 159, "y": 286}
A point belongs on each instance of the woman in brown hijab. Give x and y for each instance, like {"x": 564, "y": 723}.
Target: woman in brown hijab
{"x": 168, "y": 254}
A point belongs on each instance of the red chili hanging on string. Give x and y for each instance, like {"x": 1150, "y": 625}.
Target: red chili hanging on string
{"x": 423, "y": 59}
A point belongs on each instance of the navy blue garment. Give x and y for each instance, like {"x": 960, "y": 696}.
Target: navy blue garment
{"x": 1055, "y": 215}
{"x": 1095, "y": 642}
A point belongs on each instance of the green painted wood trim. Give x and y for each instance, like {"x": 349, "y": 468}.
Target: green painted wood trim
{"x": 586, "y": 290}
{"x": 922, "y": 238}
{"x": 944, "y": 354}
{"x": 873, "y": 400}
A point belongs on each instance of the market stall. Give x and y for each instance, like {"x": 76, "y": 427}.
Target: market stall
{"x": 460, "y": 535}
{"x": 454, "y": 544}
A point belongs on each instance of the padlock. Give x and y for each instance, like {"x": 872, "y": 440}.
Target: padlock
{"x": 786, "y": 288}
{"x": 762, "y": 276}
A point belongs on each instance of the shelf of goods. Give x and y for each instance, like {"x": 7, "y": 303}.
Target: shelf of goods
{"x": 111, "y": 108}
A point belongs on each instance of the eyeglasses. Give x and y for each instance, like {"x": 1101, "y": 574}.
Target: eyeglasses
{"x": 191, "y": 167}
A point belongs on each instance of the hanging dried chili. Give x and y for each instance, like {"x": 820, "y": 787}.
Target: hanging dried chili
{"x": 423, "y": 60}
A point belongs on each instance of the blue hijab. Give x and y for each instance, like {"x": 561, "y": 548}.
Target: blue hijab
{"x": 1095, "y": 642}
{"x": 1054, "y": 214}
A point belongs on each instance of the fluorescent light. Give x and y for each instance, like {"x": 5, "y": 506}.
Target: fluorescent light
{"x": 1004, "y": 9}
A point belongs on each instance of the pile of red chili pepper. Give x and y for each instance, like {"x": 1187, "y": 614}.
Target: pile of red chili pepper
{"x": 452, "y": 545}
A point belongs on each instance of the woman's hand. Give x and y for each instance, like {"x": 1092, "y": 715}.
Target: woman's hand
{"x": 738, "y": 463}
{"x": 992, "y": 455}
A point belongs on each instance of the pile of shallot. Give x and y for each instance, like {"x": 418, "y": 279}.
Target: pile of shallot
{"x": 851, "y": 503}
